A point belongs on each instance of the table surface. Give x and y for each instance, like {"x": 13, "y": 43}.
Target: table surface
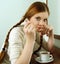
{"x": 56, "y": 56}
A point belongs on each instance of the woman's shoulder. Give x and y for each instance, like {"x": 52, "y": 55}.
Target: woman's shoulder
{"x": 16, "y": 34}
{"x": 17, "y": 29}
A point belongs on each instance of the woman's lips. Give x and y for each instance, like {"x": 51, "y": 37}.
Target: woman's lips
{"x": 41, "y": 30}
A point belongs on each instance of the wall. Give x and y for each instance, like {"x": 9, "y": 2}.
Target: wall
{"x": 57, "y": 43}
{"x": 11, "y": 12}
{"x": 54, "y": 18}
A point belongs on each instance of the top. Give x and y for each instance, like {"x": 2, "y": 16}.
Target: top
{"x": 16, "y": 44}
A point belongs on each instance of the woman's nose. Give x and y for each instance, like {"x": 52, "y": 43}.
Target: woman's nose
{"x": 41, "y": 23}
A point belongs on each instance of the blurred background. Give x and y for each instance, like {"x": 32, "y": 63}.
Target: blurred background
{"x": 11, "y": 11}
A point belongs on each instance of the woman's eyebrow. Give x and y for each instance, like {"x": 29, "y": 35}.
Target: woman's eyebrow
{"x": 38, "y": 17}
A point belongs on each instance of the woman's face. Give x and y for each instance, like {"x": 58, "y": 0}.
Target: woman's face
{"x": 39, "y": 19}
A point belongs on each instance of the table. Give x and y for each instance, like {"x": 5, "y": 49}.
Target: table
{"x": 56, "y": 54}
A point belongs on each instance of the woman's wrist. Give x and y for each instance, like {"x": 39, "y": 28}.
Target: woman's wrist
{"x": 30, "y": 41}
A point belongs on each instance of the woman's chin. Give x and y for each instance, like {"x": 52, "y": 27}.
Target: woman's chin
{"x": 41, "y": 33}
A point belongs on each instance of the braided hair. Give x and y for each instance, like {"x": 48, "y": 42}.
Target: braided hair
{"x": 41, "y": 40}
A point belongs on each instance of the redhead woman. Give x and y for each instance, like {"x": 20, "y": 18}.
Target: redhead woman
{"x": 29, "y": 35}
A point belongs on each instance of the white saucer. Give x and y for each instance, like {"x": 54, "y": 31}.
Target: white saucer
{"x": 40, "y": 61}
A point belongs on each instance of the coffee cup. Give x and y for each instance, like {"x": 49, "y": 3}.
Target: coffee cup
{"x": 45, "y": 56}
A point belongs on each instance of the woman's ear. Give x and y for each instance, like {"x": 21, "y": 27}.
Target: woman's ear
{"x": 26, "y": 20}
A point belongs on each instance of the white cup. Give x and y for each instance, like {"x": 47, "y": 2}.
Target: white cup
{"x": 45, "y": 56}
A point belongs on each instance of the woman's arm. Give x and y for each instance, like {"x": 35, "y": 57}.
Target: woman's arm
{"x": 49, "y": 45}
{"x": 18, "y": 54}
{"x": 51, "y": 41}
{"x": 25, "y": 57}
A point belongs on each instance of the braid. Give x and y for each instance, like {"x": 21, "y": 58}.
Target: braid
{"x": 4, "y": 49}
{"x": 41, "y": 39}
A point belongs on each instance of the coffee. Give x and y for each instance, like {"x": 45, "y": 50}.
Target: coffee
{"x": 44, "y": 53}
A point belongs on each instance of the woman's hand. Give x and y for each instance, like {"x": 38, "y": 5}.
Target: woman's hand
{"x": 29, "y": 31}
{"x": 49, "y": 30}
{"x": 45, "y": 29}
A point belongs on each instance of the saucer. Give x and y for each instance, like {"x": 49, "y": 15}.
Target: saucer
{"x": 40, "y": 61}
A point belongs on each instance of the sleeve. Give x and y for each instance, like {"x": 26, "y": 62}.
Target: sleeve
{"x": 45, "y": 42}
{"x": 45, "y": 38}
{"x": 15, "y": 44}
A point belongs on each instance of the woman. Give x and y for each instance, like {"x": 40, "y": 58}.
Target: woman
{"x": 25, "y": 37}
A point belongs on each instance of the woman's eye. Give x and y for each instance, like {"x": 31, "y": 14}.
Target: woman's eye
{"x": 38, "y": 18}
{"x": 45, "y": 20}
